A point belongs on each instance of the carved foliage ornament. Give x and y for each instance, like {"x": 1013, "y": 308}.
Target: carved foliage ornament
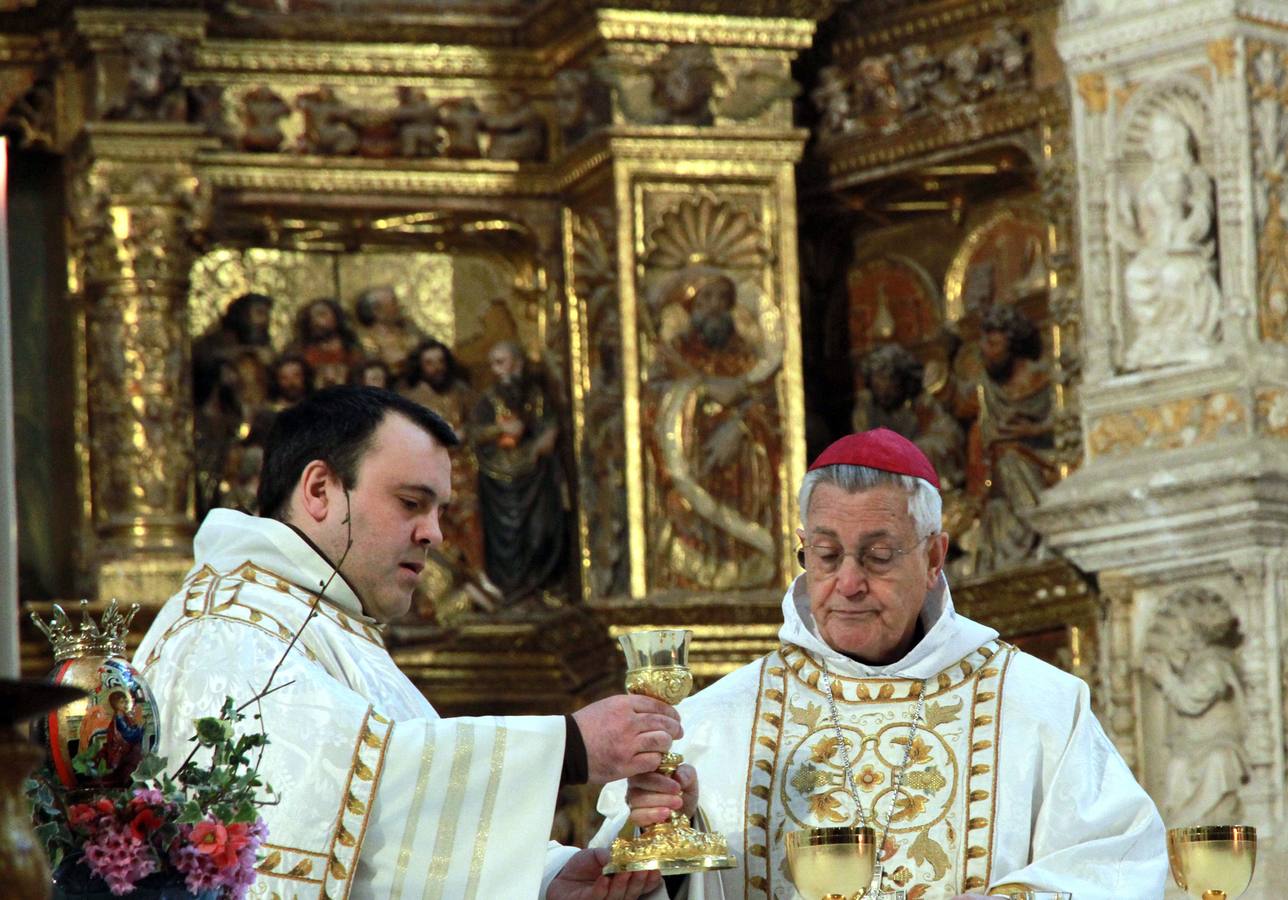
{"x": 1268, "y": 96}
{"x": 877, "y": 94}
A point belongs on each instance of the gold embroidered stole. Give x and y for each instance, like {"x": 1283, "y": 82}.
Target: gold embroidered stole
{"x": 941, "y": 825}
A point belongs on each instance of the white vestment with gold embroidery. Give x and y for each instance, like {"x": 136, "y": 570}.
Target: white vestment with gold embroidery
{"x": 380, "y": 796}
{"x": 1010, "y": 780}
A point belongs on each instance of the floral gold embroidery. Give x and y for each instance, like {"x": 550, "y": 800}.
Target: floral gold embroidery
{"x": 928, "y": 780}
{"x": 901, "y": 876}
{"x": 806, "y": 715}
{"x": 808, "y": 779}
{"x": 826, "y": 748}
{"x": 824, "y": 806}
{"x": 926, "y": 849}
{"x": 908, "y": 806}
{"x": 869, "y": 779}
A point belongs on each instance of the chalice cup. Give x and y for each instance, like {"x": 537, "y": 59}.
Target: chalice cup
{"x": 1212, "y": 862}
{"x": 657, "y": 665}
{"x": 832, "y": 863}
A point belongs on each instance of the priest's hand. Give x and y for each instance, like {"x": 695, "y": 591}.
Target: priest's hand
{"x": 582, "y": 878}
{"x": 653, "y": 796}
{"x": 626, "y": 735}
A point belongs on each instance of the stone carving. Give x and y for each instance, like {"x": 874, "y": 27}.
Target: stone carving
{"x": 517, "y": 128}
{"x": 1266, "y": 77}
{"x": 154, "y": 91}
{"x": 1171, "y": 301}
{"x": 328, "y": 124}
{"x": 878, "y": 93}
{"x": 262, "y": 111}
{"x": 894, "y": 397}
{"x": 417, "y": 121}
{"x": 1189, "y": 657}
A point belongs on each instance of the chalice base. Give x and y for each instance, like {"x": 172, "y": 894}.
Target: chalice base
{"x": 672, "y": 848}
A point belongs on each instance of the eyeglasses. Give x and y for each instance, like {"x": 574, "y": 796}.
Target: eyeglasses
{"x": 878, "y": 559}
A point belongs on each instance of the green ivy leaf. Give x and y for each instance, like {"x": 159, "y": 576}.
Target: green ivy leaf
{"x": 212, "y": 732}
{"x": 190, "y": 813}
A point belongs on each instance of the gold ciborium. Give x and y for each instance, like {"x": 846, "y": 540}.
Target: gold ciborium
{"x": 1213, "y": 862}
{"x": 657, "y": 665}
{"x": 832, "y": 863}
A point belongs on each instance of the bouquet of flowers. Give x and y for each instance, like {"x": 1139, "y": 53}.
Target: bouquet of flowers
{"x": 199, "y": 824}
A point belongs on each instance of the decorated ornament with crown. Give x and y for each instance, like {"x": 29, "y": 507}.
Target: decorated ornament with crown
{"x": 117, "y": 723}
{"x": 118, "y": 820}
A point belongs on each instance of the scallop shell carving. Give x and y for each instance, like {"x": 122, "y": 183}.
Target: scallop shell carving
{"x": 707, "y": 232}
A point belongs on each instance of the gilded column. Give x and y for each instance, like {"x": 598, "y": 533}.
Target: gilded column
{"x": 680, "y": 249}
{"x": 138, "y": 204}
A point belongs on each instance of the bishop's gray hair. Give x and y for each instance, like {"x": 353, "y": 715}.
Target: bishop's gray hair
{"x": 924, "y": 503}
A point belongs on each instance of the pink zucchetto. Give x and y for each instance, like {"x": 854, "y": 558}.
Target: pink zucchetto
{"x": 881, "y": 449}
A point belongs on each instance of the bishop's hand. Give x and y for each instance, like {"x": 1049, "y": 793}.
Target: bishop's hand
{"x": 582, "y": 878}
{"x": 653, "y": 796}
{"x": 626, "y": 735}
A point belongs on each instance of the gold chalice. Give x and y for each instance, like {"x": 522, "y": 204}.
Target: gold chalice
{"x": 1213, "y": 862}
{"x": 832, "y": 863}
{"x": 657, "y": 665}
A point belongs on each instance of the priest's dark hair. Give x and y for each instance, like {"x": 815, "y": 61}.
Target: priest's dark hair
{"x": 334, "y": 425}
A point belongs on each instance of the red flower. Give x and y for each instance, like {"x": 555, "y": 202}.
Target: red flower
{"x": 221, "y": 842}
{"x": 145, "y": 823}
{"x": 80, "y": 815}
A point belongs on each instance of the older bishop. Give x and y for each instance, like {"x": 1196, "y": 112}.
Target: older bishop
{"x": 981, "y": 769}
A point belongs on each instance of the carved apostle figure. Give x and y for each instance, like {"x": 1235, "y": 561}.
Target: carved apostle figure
{"x": 581, "y": 104}
{"x": 1190, "y": 657}
{"x": 262, "y": 111}
{"x": 326, "y": 341}
{"x": 386, "y": 334}
{"x": 895, "y": 398}
{"x": 834, "y": 100}
{"x": 328, "y": 126}
{"x": 1173, "y": 303}
{"x": 515, "y": 432}
{"x": 1011, "y": 444}
{"x": 517, "y": 128}
{"x": 714, "y": 438}
{"x": 154, "y": 90}
{"x": 461, "y": 121}
{"x": 416, "y": 118}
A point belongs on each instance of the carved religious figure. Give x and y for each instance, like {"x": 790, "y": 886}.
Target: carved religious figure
{"x": 325, "y": 339}
{"x": 894, "y": 397}
{"x": 714, "y": 436}
{"x": 385, "y": 332}
{"x": 517, "y": 128}
{"x": 437, "y": 381}
{"x": 416, "y": 118}
{"x": 154, "y": 88}
{"x": 1010, "y": 447}
{"x": 1172, "y": 302}
{"x": 262, "y": 111}
{"x": 515, "y": 432}
{"x": 1189, "y": 657}
{"x": 461, "y": 121}
{"x": 328, "y": 123}
{"x": 684, "y": 81}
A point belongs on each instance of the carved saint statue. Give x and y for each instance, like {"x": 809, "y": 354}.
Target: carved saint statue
{"x": 328, "y": 123}
{"x": 262, "y": 111}
{"x": 515, "y": 432}
{"x": 517, "y": 128}
{"x": 154, "y": 90}
{"x": 386, "y": 334}
{"x": 326, "y": 341}
{"x": 1190, "y": 657}
{"x": 895, "y": 398}
{"x": 1011, "y": 444}
{"x": 416, "y": 118}
{"x": 714, "y": 438}
{"x": 684, "y": 81}
{"x": 1173, "y": 304}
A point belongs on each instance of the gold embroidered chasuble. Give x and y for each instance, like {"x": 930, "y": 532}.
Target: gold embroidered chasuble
{"x": 940, "y": 824}
{"x": 380, "y": 797}
{"x": 1010, "y": 779}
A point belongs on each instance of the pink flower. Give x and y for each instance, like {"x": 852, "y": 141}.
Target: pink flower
{"x": 119, "y": 858}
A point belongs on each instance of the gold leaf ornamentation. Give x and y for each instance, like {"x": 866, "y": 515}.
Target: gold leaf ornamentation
{"x": 301, "y": 869}
{"x": 805, "y": 715}
{"x": 941, "y": 713}
{"x": 908, "y": 807}
{"x": 824, "y": 807}
{"x": 926, "y": 849}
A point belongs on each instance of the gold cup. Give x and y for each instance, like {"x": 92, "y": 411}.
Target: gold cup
{"x": 657, "y": 665}
{"x": 1212, "y": 862}
{"x": 832, "y": 863}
